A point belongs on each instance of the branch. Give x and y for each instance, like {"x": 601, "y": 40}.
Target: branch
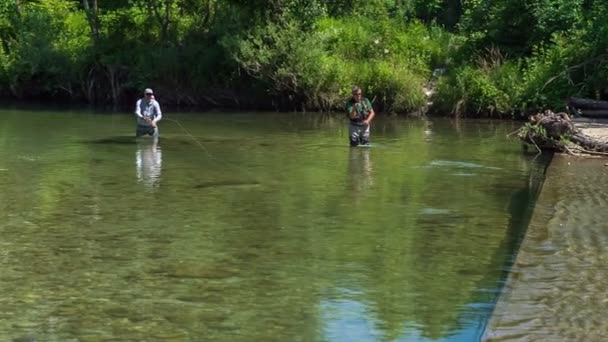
{"x": 537, "y": 148}
{"x": 568, "y": 150}
{"x": 567, "y": 71}
{"x": 597, "y": 153}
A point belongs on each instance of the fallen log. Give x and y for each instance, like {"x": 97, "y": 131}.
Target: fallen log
{"x": 588, "y": 143}
{"x": 582, "y": 103}
{"x": 557, "y": 132}
{"x": 593, "y": 113}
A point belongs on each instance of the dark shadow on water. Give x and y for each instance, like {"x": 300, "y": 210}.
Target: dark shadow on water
{"x": 131, "y": 140}
{"x": 226, "y": 183}
{"x": 24, "y": 339}
{"x": 521, "y": 208}
{"x": 165, "y": 139}
{"x": 115, "y": 140}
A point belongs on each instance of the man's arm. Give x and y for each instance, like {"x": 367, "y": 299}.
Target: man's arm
{"x": 159, "y": 114}
{"x": 370, "y": 117}
{"x": 138, "y": 109}
{"x": 371, "y": 113}
{"x": 352, "y": 110}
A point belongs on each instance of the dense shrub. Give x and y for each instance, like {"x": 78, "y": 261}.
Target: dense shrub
{"x": 503, "y": 57}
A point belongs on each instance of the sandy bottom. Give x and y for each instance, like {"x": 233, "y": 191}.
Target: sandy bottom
{"x": 596, "y": 128}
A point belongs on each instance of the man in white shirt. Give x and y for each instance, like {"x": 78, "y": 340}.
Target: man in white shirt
{"x": 148, "y": 114}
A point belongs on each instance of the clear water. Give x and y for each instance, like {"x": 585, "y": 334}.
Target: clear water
{"x": 255, "y": 227}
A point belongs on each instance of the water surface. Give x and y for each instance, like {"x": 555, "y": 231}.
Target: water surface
{"x": 255, "y": 227}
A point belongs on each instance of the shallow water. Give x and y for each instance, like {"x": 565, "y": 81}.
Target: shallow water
{"x": 246, "y": 227}
{"x": 557, "y": 291}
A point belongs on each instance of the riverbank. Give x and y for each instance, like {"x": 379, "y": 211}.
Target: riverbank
{"x": 595, "y": 128}
{"x": 557, "y": 285}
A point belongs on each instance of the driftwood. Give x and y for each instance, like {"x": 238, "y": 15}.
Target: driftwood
{"x": 588, "y": 107}
{"x": 593, "y": 113}
{"x": 581, "y": 103}
{"x": 556, "y": 131}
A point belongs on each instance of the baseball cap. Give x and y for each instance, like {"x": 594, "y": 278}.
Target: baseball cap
{"x": 148, "y": 91}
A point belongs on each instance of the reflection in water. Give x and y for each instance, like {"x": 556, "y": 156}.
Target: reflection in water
{"x": 360, "y": 171}
{"x": 148, "y": 162}
{"x": 346, "y": 320}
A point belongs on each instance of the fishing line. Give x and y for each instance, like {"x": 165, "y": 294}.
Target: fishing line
{"x": 193, "y": 138}
{"x": 241, "y": 168}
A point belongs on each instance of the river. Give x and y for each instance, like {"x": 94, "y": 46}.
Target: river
{"x": 256, "y": 227}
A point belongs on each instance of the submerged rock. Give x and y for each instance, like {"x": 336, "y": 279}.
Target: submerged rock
{"x": 24, "y": 339}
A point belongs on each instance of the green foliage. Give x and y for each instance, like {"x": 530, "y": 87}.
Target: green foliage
{"x": 572, "y": 65}
{"x": 366, "y": 8}
{"x": 553, "y": 17}
{"x": 389, "y": 60}
{"x": 309, "y": 53}
{"x": 545, "y": 80}
{"x": 444, "y": 13}
{"x": 505, "y": 24}
{"x": 8, "y": 12}
{"x": 493, "y": 87}
{"x": 529, "y": 129}
{"x": 46, "y": 45}
{"x": 552, "y": 50}
{"x": 260, "y": 12}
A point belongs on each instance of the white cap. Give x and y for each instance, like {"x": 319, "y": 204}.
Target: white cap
{"x": 148, "y": 91}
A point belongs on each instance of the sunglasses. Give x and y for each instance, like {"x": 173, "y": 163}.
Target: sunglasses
{"x": 149, "y": 94}
{"x": 357, "y": 94}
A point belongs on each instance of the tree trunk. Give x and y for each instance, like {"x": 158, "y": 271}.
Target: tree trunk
{"x": 88, "y": 84}
{"x": 93, "y": 19}
{"x": 115, "y": 76}
{"x": 163, "y": 16}
{"x": 18, "y": 7}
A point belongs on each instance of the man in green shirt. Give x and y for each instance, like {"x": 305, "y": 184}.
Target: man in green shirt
{"x": 360, "y": 113}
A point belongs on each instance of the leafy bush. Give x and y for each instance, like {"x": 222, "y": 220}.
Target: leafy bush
{"x": 493, "y": 87}
{"x": 388, "y": 59}
{"x": 47, "y": 49}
